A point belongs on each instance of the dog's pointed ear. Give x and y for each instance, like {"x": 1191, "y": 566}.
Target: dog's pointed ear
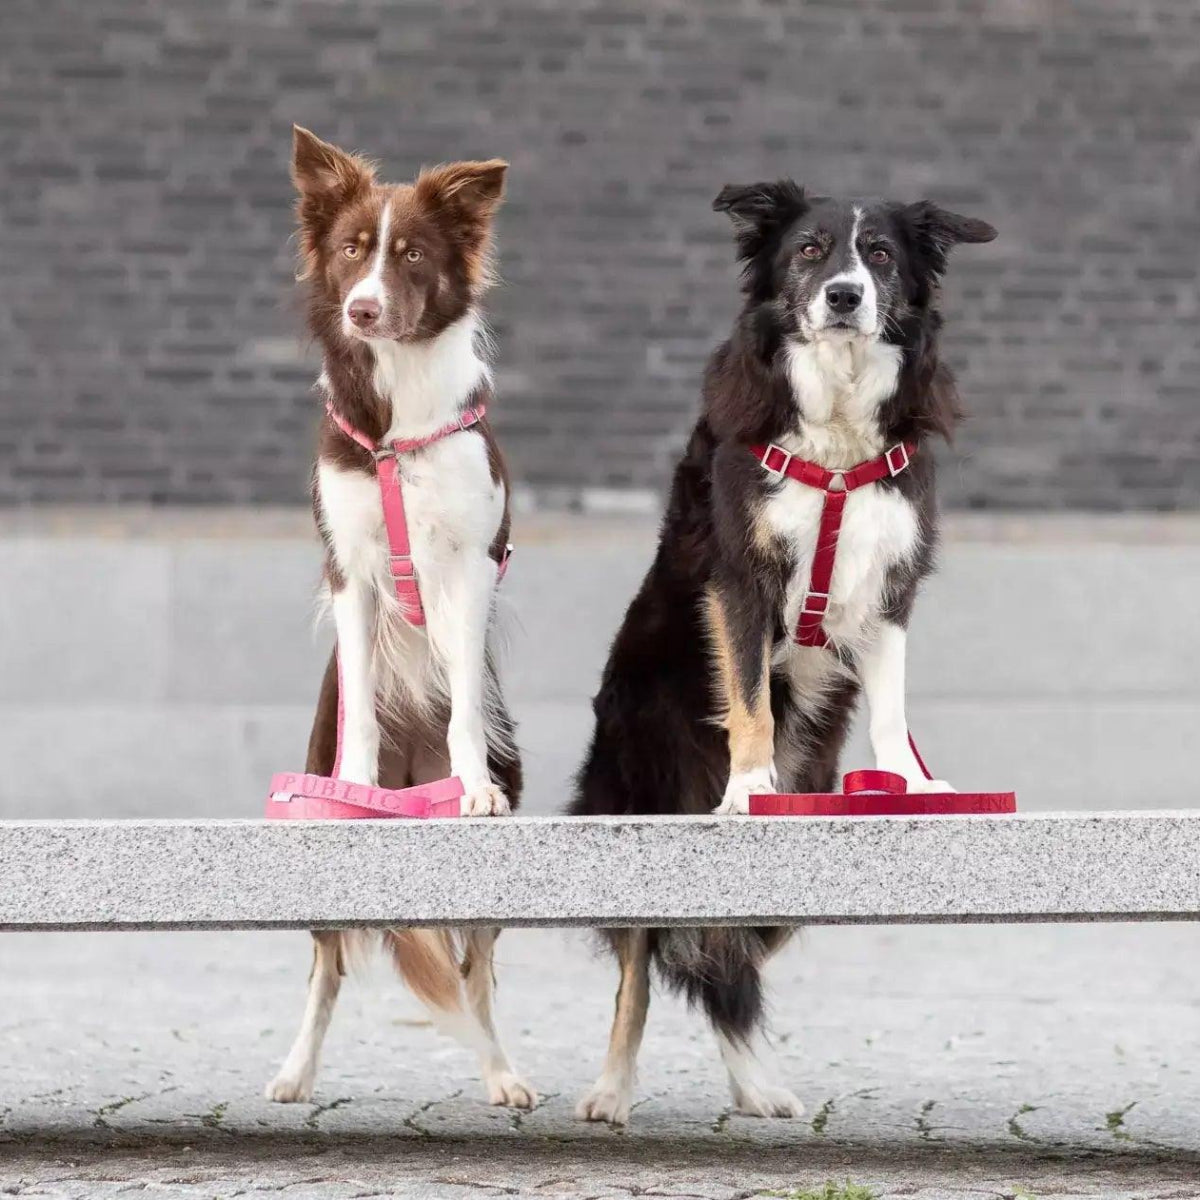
{"x": 759, "y": 211}
{"x": 475, "y": 188}
{"x": 326, "y": 178}
{"x": 943, "y": 229}
{"x": 322, "y": 171}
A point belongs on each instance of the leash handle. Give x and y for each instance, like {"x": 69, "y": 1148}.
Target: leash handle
{"x": 319, "y": 797}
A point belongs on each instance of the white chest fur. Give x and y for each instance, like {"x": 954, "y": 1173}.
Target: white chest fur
{"x": 839, "y": 388}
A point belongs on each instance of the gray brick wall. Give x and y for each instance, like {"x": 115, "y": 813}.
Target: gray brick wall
{"x": 149, "y": 334}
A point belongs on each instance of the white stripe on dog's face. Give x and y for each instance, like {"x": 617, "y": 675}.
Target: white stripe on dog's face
{"x": 848, "y": 274}
{"x": 371, "y": 285}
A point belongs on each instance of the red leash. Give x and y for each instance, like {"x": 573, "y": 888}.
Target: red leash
{"x": 880, "y": 794}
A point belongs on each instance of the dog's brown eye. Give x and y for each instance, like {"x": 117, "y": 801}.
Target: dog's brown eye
{"x": 880, "y": 255}
{"x": 811, "y": 250}
{"x": 413, "y": 255}
{"x": 350, "y": 250}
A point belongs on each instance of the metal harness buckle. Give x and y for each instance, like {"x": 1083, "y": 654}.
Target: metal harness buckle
{"x": 894, "y": 470}
{"x": 412, "y": 569}
{"x": 823, "y": 597}
{"x": 784, "y": 456}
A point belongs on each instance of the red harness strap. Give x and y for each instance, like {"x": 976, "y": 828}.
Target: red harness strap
{"x": 391, "y": 494}
{"x": 837, "y": 485}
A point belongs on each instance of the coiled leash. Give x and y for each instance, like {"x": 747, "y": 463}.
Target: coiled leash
{"x": 321, "y": 797}
{"x": 864, "y": 793}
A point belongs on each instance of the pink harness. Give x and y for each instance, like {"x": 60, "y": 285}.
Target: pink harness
{"x": 308, "y": 797}
{"x": 391, "y": 495}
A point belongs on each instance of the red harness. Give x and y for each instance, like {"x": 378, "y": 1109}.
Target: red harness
{"x": 391, "y": 494}
{"x": 837, "y": 485}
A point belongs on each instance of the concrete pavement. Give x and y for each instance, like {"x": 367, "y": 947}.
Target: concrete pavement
{"x": 947, "y": 1063}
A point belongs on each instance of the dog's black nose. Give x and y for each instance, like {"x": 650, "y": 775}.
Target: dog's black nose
{"x": 843, "y": 297}
{"x": 364, "y": 312}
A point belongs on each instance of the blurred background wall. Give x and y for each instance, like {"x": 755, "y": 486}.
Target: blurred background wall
{"x": 150, "y": 348}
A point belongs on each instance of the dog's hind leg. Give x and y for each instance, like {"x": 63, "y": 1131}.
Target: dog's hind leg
{"x": 299, "y": 1070}
{"x": 735, "y": 1010}
{"x": 427, "y": 962}
{"x": 611, "y": 1096}
{"x": 504, "y": 1085}
{"x": 740, "y": 653}
{"x": 754, "y": 1092}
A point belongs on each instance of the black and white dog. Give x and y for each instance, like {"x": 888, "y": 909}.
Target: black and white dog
{"x": 707, "y": 697}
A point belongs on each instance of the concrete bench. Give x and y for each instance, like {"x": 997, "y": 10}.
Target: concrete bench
{"x": 110, "y": 875}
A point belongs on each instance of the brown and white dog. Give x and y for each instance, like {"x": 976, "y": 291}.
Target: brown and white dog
{"x": 395, "y": 275}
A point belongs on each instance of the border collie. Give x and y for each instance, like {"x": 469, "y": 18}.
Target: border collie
{"x": 707, "y": 697}
{"x": 395, "y": 275}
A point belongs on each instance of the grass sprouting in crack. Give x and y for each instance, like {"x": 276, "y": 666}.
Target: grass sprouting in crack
{"x": 821, "y": 1119}
{"x": 1014, "y": 1125}
{"x": 1114, "y": 1122}
{"x": 827, "y": 1191}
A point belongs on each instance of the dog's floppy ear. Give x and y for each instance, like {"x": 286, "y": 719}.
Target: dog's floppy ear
{"x": 474, "y": 187}
{"x": 760, "y": 211}
{"x": 326, "y": 178}
{"x": 462, "y": 197}
{"x": 936, "y": 229}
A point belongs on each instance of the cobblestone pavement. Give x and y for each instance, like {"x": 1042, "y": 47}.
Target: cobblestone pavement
{"x": 938, "y": 1063}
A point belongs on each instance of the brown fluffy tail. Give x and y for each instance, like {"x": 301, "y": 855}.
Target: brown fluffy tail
{"x": 430, "y": 962}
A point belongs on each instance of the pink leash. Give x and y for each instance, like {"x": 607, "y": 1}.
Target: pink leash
{"x": 323, "y": 797}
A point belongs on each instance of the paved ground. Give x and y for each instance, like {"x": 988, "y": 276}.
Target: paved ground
{"x": 936, "y": 1063}
{"x": 939, "y": 1063}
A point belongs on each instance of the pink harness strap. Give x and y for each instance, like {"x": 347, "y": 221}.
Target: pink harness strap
{"x": 391, "y": 495}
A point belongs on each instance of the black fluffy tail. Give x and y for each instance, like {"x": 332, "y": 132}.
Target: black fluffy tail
{"x": 718, "y": 970}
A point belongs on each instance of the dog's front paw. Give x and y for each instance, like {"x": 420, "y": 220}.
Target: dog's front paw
{"x": 766, "y": 1101}
{"x": 354, "y": 771}
{"x": 289, "y": 1089}
{"x": 607, "y": 1101}
{"x": 507, "y": 1087}
{"x": 484, "y": 800}
{"x": 742, "y": 785}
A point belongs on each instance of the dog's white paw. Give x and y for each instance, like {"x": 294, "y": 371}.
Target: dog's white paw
{"x": 742, "y": 785}
{"x": 607, "y": 1101}
{"x": 507, "y": 1087}
{"x": 923, "y": 787}
{"x": 766, "y": 1100}
{"x": 289, "y": 1089}
{"x": 365, "y": 772}
{"x": 485, "y": 800}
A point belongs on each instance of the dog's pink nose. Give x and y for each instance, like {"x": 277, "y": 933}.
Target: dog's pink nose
{"x": 364, "y": 312}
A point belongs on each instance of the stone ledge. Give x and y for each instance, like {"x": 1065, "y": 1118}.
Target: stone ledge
{"x": 618, "y": 871}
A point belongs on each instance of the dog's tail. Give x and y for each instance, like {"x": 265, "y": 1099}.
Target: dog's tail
{"x": 718, "y": 970}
